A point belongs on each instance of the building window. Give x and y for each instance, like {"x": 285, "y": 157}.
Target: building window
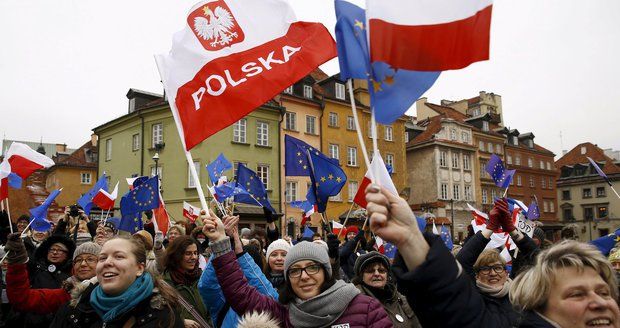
{"x": 336, "y": 198}
{"x": 444, "y": 191}
{"x": 334, "y": 151}
{"x": 587, "y": 193}
{"x": 567, "y": 214}
{"x": 239, "y": 131}
{"x": 531, "y": 182}
{"x": 307, "y": 91}
{"x": 290, "y": 120}
{"x": 333, "y": 119}
{"x": 350, "y": 123}
{"x": 565, "y": 194}
{"x": 545, "y": 206}
{"x": 600, "y": 191}
{"x": 351, "y": 156}
{"x": 389, "y": 133}
{"x": 542, "y": 165}
{"x": 340, "y": 91}
{"x": 389, "y": 160}
{"x": 588, "y": 213}
{"x": 484, "y": 196}
{"x": 455, "y": 160}
{"x": 485, "y": 126}
{"x": 530, "y": 143}
{"x": 543, "y": 182}
{"x": 551, "y": 206}
{"x": 370, "y": 130}
{"x": 135, "y": 142}
{"x": 158, "y": 134}
{"x": 289, "y": 90}
{"x": 443, "y": 159}
{"x": 453, "y": 134}
{"x": 262, "y": 133}
{"x": 508, "y": 159}
{"x": 493, "y": 194}
{"x": 519, "y": 180}
{"x": 515, "y": 140}
{"x": 498, "y": 149}
{"x": 490, "y": 147}
{"x": 310, "y": 124}
{"x": 85, "y": 178}
{"x": 352, "y": 190}
{"x": 466, "y": 165}
{"x": 468, "y": 193}
{"x": 550, "y": 183}
{"x": 291, "y": 191}
{"x": 190, "y": 180}
{"x": 456, "y": 192}
{"x": 465, "y": 137}
{"x": 481, "y": 145}
{"x": 602, "y": 212}
{"x": 406, "y": 137}
{"x": 483, "y": 170}
{"x": 108, "y": 149}
{"x": 530, "y": 162}
{"x": 517, "y": 160}
{"x": 263, "y": 174}
{"x": 548, "y": 166}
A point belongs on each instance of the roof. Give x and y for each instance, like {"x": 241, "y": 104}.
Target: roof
{"x": 85, "y": 156}
{"x": 432, "y": 125}
{"x": 447, "y": 112}
{"x": 575, "y": 157}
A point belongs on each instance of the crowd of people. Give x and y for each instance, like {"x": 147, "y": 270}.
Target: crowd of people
{"x": 84, "y": 273}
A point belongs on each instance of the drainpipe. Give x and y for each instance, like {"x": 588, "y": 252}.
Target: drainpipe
{"x": 282, "y": 111}
{"x": 141, "y": 144}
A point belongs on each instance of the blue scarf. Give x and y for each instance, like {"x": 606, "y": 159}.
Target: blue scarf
{"x": 111, "y": 307}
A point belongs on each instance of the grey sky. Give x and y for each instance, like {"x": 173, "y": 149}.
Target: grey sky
{"x": 65, "y": 66}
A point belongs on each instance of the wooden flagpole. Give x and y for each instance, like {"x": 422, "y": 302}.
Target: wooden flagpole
{"x": 8, "y": 213}
{"x": 344, "y": 225}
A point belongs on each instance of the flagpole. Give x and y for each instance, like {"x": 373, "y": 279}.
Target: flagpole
{"x": 360, "y": 137}
{"x": 612, "y": 188}
{"x": 344, "y": 225}
{"x": 325, "y": 221}
{"x": 20, "y": 236}
{"x": 8, "y": 212}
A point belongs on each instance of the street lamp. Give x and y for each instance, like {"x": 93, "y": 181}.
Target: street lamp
{"x": 156, "y": 159}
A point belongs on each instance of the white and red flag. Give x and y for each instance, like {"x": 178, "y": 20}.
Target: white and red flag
{"x": 337, "y": 227}
{"x": 233, "y": 56}
{"x": 22, "y": 161}
{"x": 105, "y": 200}
{"x": 377, "y": 166}
{"x": 190, "y": 212}
{"x": 429, "y": 35}
{"x": 161, "y": 219}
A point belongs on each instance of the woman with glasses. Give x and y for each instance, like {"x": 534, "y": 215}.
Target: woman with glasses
{"x": 373, "y": 278}
{"x": 311, "y": 296}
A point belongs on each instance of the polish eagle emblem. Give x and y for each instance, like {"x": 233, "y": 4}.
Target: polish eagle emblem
{"x": 215, "y": 27}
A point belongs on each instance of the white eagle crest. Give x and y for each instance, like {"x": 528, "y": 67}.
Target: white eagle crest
{"x": 215, "y": 25}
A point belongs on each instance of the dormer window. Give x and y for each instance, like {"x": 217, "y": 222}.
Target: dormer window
{"x": 339, "y": 89}
{"x": 289, "y": 90}
{"x": 475, "y": 112}
{"x": 530, "y": 143}
{"x": 515, "y": 140}
{"x": 485, "y": 126}
{"x": 308, "y": 91}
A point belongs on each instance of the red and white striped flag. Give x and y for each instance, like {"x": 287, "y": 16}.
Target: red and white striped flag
{"x": 105, "y": 200}
{"x": 161, "y": 219}
{"x": 190, "y": 212}
{"x": 377, "y": 166}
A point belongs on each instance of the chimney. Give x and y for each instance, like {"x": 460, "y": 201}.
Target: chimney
{"x": 93, "y": 140}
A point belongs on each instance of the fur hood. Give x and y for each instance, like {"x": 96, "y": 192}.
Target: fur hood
{"x": 257, "y": 320}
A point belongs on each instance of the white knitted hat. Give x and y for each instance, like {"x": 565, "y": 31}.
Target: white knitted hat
{"x": 278, "y": 245}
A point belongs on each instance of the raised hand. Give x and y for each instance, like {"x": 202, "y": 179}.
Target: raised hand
{"x": 496, "y": 215}
{"x": 231, "y": 225}
{"x": 213, "y": 227}
{"x": 390, "y": 216}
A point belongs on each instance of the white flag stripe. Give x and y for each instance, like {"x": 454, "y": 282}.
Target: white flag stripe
{"x": 424, "y": 12}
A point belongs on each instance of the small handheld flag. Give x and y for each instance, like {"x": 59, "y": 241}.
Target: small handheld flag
{"x": 500, "y": 175}
{"x": 217, "y": 167}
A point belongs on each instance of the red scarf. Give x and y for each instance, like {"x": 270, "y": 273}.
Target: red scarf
{"x": 181, "y": 276}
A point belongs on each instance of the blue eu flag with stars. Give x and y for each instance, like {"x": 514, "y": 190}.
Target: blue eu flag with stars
{"x": 257, "y": 194}
{"x": 229, "y": 189}
{"x": 295, "y": 158}
{"x": 86, "y": 201}
{"x": 327, "y": 180}
{"x": 217, "y": 167}
{"x": 500, "y": 175}
{"x": 141, "y": 198}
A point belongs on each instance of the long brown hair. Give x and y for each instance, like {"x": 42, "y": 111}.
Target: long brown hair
{"x": 176, "y": 250}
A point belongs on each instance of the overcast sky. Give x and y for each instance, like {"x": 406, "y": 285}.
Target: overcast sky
{"x": 66, "y": 65}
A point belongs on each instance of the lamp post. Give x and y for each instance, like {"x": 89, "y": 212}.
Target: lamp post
{"x": 156, "y": 159}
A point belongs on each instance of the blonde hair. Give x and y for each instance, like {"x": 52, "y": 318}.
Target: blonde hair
{"x": 487, "y": 257}
{"x": 530, "y": 290}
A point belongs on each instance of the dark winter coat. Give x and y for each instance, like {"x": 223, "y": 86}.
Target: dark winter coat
{"x": 362, "y": 311}
{"x": 191, "y": 295}
{"x": 396, "y": 307}
{"x": 151, "y": 312}
{"x": 532, "y": 319}
{"x": 348, "y": 254}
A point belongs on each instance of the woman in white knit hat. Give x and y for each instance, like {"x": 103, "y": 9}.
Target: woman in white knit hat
{"x": 274, "y": 270}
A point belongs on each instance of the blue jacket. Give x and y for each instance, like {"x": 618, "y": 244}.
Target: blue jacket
{"x": 212, "y": 294}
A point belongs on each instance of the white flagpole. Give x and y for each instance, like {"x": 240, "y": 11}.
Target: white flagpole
{"x": 360, "y": 136}
{"x": 346, "y": 219}
{"x": 20, "y": 236}
{"x": 612, "y": 188}
{"x": 8, "y": 212}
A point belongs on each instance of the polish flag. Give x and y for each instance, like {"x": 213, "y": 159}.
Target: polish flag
{"x": 23, "y": 160}
{"x": 233, "y": 56}
{"x": 429, "y": 35}
{"x": 161, "y": 219}
{"x": 377, "y": 166}
{"x": 307, "y": 214}
{"x": 480, "y": 217}
{"x": 379, "y": 245}
{"x": 190, "y": 212}
{"x": 336, "y": 228}
{"x": 105, "y": 200}
{"x": 5, "y": 171}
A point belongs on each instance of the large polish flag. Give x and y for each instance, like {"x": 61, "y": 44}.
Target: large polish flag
{"x": 25, "y": 160}
{"x": 105, "y": 200}
{"x": 377, "y": 166}
{"x": 429, "y": 35}
{"x": 231, "y": 57}
{"x": 161, "y": 219}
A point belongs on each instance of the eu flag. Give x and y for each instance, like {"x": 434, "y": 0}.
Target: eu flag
{"x": 327, "y": 180}
{"x": 257, "y": 195}
{"x": 217, "y": 167}
{"x": 295, "y": 158}
{"x": 143, "y": 197}
{"x": 86, "y": 201}
{"x": 445, "y": 236}
{"x": 39, "y": 220}
{"x": 606, "y": 243}
{"x": 392, "y": 91}
{"x": 533, "y": 212}
{"x": 498, "y": 172}
{"x": 229, "y": 189}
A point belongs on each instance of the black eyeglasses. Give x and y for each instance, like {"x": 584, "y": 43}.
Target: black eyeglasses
{"x": 57, "y": 250}
{"x": 495, "y": 268}
{"x": 310, "y": 270}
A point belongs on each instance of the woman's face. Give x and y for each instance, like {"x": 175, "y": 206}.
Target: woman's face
{"x": 57, "y": 254}
{"x": 493, "y": 274}
{"x": 39, "y": 236}
{"x": 21, "y": 225}
{"x": 117, "y": 267}
{"x": 190, "y": 258}
{"x": 276, "y": 261}
{"x": 173, "y": 234}
{"x": 306, "y": 278}
{"x": 375, "y": 275}
{"x": 581, "y": 299}
{"x": 85, "y": 266}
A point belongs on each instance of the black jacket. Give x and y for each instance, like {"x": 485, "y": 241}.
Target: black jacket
{"x": 531, "y": 319}
{"x": 442, "y": 294}
{"x": 82, "y": 315}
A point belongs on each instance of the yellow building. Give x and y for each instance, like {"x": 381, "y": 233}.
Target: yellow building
{"x": 75, "y": 173}
{"x": 339, "y": 140}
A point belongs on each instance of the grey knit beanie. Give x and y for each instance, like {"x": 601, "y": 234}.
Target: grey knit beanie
{"x": 370, "y": 257}
{"x": 307, "y": 251}
{"x": 87, "y": 248}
